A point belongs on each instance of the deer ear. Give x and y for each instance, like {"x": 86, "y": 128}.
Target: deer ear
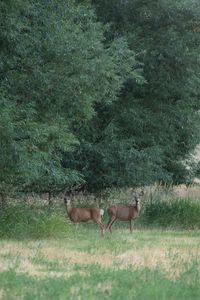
{"x": 142, "y": 193}
{"x": 136, "y": 198}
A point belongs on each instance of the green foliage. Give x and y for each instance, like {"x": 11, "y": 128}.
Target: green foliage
{"x": 7, "y": 149}
{"x": 174, "y": 213}
{"x": 101, "y": 105}
{"x": 54, "y": 67}
{"x": 152, "y": 127}
{"x": 35, "y": 222}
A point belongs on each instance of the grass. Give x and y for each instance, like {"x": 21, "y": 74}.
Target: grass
{"x": 43, "y": 255}
{"x": 101, "y": 284}
{"x": 149, "y": 264}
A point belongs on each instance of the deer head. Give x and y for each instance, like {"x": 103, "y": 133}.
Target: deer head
{"x": 137, "y": 196}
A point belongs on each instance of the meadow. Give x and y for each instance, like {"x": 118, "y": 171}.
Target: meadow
{"x": 44, "y": 256}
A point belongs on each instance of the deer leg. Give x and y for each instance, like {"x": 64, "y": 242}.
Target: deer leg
{"x": 102, "y": 230}
{"x": 100, "y": 225}
{"x": 110, "y": 223}
{"x": 76, "y": 225}
{"x": 131, "y": 229}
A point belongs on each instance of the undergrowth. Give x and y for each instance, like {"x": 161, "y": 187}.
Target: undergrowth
{"x": 176, "y": 213}
{"x": 24, "y": 221}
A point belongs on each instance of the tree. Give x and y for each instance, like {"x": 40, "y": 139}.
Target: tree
{"x": 153, "y": 127}
{"x": 55, "y": 68}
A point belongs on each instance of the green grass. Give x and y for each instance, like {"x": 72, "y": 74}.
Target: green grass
{"x": 43, "y": 255}
{"x": 101, "y": 284}
{"x": 149, "y": 264}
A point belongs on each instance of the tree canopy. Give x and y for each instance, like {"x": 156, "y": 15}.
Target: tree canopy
{"x": 54, "y": 69}
{"x": 103, "y": 93}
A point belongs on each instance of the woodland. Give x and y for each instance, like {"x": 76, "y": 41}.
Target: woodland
{"x": 98, "y": 94}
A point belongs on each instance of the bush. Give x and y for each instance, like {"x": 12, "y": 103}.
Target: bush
{"x": 24, "y": 221}
{"x": 171, "y": 213}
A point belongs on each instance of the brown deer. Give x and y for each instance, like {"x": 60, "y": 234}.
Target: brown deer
{"x": 78, "y": 215}
{"x": 124, "y": 213}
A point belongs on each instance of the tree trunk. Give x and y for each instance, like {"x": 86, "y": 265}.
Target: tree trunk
{"x": 50, "y": 199}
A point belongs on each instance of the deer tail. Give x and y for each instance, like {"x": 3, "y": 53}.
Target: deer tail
{"x": 101, "y": 212}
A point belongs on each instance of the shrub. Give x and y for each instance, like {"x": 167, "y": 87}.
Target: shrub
{"x": 24, "y": 221}
{"x": 171, "y": 213}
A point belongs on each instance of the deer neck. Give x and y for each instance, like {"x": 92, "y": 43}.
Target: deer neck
{"x": 137, "y": 207}
{"x": 69, "y": 209}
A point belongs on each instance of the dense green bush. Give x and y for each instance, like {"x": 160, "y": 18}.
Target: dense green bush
{"x": 24, "y": 221}
{"x": 171, "y": 213}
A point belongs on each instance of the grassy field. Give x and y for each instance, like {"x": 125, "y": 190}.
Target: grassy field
{"x": 149, "y": 264}
{"x": 43, "y": 255}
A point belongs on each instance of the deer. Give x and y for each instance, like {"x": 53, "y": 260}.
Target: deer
{"x": 124, "y": 213}
{"x": 77, "y": 215}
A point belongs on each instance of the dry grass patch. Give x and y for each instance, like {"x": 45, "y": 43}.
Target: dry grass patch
{"x": 37, "y": 258}
{"x": 1, "y": 294}
{"x": 105, "y": 260}
{"x": 27, "y": 267}
{"x": 171, "y": 262}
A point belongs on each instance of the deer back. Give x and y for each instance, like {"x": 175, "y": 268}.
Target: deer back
{"x": 84, "y": 214}
{"x": 120, "y": 212}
